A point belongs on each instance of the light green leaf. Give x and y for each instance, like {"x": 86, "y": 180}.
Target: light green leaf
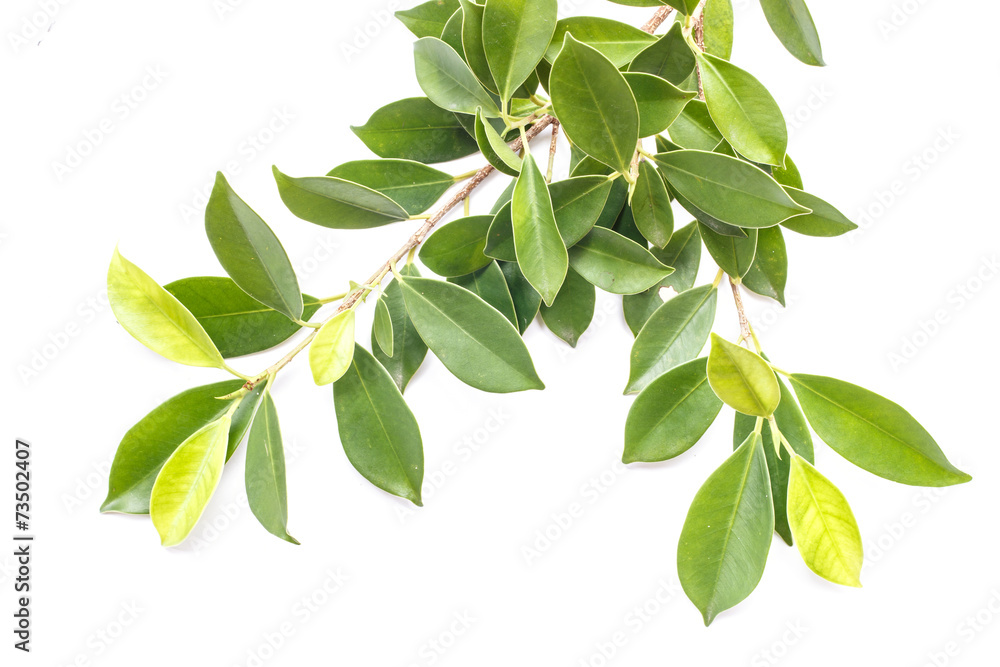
{"x": 490, "y": 285}
{"x": 515, "y": 36}
{"x": 824, "y": 220}
{"x": 791, "y": 22}
{"x": 727, "y": 533}
{"x": 788, "y": 174}
{"x": 874, "y": 433}
{"x": 408, "y": 349}
{"x": 618, "y": 42}
{"x": 471, "y": 338}
{"x": 572, "y": 311}
{"x": 695, "y": 129}
{"x": 265, "y": 472}
{"x": 429, "y": 18}
{"x": 187, "y": 481}
{"x": 669, "y": 57}
{"x": 671, "y": 414}
{"x": 456, "y": 248}
{"x": 769, "y": 272}
{"x": 683, "y": 252}
{"x": 674, "y": 334}
{"x": 540, "y": 250}
{"x": 595, "y": 104}
{"x": 447, "y": 80}
{"x": 336, "y": 203}
{"x": 651, "y": 207}
{"x": 377, "y": 430}
{"x": 416, "y": 129}
{"x": 495, "y": 149}
{"x": 616, "y": 264}
{"x": 156, "y": 318}
{"x": 382, "y": 327}
{"x": 330, "y": 351}
{"x": 413, "y": 185}
{"x": 733, "y": 254}
{"x": 452, "y": 36}
{"x": 742, "y": 379}
{"x": 718, "y": 27}
{"x": 659, "y": 101}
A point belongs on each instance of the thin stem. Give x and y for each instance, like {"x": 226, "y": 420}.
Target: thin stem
{"x": 335, "y": 297}
{"x": 718, "y": 279}
{"x": 467, "y": 175}
{"x": 746, "y": 331}
{"x": 779, "y": 370}
{"x": 552, "y": 151}
{"x": 230, "y": 369}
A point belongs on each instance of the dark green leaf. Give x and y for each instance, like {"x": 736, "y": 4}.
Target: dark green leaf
{"x": 416, "y": 129}
{"x": 539, "y": 247}
{"x": 659, "y": 102}
{"x": 669, "y": 57}
{"x": 651, "y": 208}
{"x": 456, "y": 249}
{"x": 526, "y": 300}
{"x": 490, "y": 285}
{"x": 336, "y": 203}
{"x": 452, "y": 36}
{"x": 734, "y": 255}
{"x": 382, "y": 328}
{"x": 616, "y": 264}
{"x": 769, "y": 271}
{"x": 265, "y": 472}
{"x": 515, "y": 36}
{"x": 572, "y": 311}
{"x": 824, "y": 220}
{"x": 413, "y": 185}
{"x": 695, "y": 129}
{"x": 618, "y": 42}
{"x": 408, "y": 349}
{"x": 791, "y": 22}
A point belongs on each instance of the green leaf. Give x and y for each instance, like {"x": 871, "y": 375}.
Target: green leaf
{"x": 236, "y": 323}
{"x": 416, "y": 129}
{"x": 515, "y": 36}
{"x": 671, "y": 414}
{"x": 382, "y": 327}
{"x": 794, "y": 428}
{"x": 674, "y": 334}
{"x": 250, "y": 252}
{"x": 495, "y": 149}
{"x": 540, "y": 250}
{"x": 595, "y": 104}
{"x": 500, "y": 238}
{"x": 873, "y": 432}
{"x": 718, "y": 27}
{"x": 490, "y": 285}
{"x": 428, "y": 19}
{"x": 187, "y": 481}
{"x": 823, "y": 525}
{"x": 659, "y": 101}
{"x": 684, "y": 254}
{"x": 791, "y": 22}
{"x": 331, "y": 350}
{"x": 408, "y": 349}
{"x": 618, "y": 42}
{"x": 824, "y": 220}
{"x": 452, "y": 35}
{"x": 265, "y": 472}
{"x": 472, "y": 43}
{"x": 413, "y": 185}
{"x": 379, "y": 433}
{"x": 769, "y": 272}
{"x": 695, "y": 129}
{"x": 447, "y": 80}
{"x": 456, "y": 248}
{"x": 149, "y": 443}
{"x": 572, "y": 311}
{"x": 743, "y": 110}
{"x": 788, "y": 174}
{"x": 651, "y": 206}
{"x": 471, "y": 338}
{"x": 728, "y": 189}
{"x": 669, "y": 57}
{"x": 742, "y": 379}
{"x": 526, "y": 300}
{"x": 727, "y": 534}
{"x": 336, "y": 203}
{"x": 156, "y": 318}
{"x": 625, "y": 225}
{"x": 734, "y": 255}
{"x": 616, "y": 264}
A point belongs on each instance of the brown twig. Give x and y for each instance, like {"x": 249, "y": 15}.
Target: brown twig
{"x": 657, "y": 19}
{"x": 553, "y": 144}
{"x": 746, "y": 331}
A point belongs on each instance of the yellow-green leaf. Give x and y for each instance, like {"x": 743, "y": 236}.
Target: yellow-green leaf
{"x": 742, "y": 379}
{"x": 332, "y": 350}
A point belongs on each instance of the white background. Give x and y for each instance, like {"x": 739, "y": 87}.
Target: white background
{"x": 911, "y": 110}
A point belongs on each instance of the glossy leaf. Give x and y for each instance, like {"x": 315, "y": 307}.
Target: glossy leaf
{"x": 526, "y": 300}
{"x": 495, "y": 149}
{"x": 336, "y": 203}
{"x": 187, "y": 481}
{"x": 490, "y": 285}
{"x": 618, "y": 42}
{"x": 728, "y": 189}
{"x": 669, "y": 57}
{"x": 769, "y": 272}
{"x": 791, "y": 22}
{"x": 516, "y": 34}
{"x": 452, "y": 36}
{"x": 873, "y": 433}
{"x": 416, "y": 129}
{"x": 471, "y": 338}
{"x": 472, "y": 43}
{"x": 824, "y": 220}
{"x": 595, "y": 104}
{"x": 694, "y": 128}
{"x": 408, "y": 349}
{"x": 787, "y": 174}
{"x": 742, "y": 379}
{"x": 447, "y": 80}
{"x": 718, "y": 27}
{"x": 823, "y": 525}
{"x": 330, "y": 351}
{"x": 743, "y": 110}
{"x": 659, "y": 101}
{"x": 572, "y": 311}
{"x": 413, "y": 185}
{"x": 540, "y": 250}
{"x": 674, "y": 334}
{"x": 651, "y": 207}
{"x": 727, "y": 533}
{"x": 616, "y": 264}
{"x": 429, "y": 18}
{"x": 265, "y": 472}
{"x": 377, "y": 430}
{"x": 382, "y": 328}
{"x": 671, "y": 414}
{"x": 734, "y": 255}
{"x": 500, "y": 238}
{"x": 456, "y": 248}
{"x": 683, "y": 252}
{"x": 156, "y": 318}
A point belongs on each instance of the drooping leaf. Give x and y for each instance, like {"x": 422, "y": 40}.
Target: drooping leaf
{"x": 683, "y": 252}
{"x": 718, "y": 27}
{"x": 769, "y": 272}
{"x": 659, "y": 101}
{"x": 156, "y": 318}
{"x": 495, "y": 149}
{"x": 787, "y": 174}
{"x": 526, "y": 300}
{"x": 618, "y": 42}
{"x": 330, "y": 351}
{"x": 490, "y": 285}
{"x": 651, "y": 207}
{"x": 540, "y": 250}
{"x": 471, "y": 338}
{"x": 516, "y": 34}
{"x": 572, "y": 311}
{"x": 595, "y": 104}
{"x": 187, "y": 481}
{"x": 674, "y": 334}
{"x": 447, "y": 80}
{"x": 727, "y": 533}
{"x": 671, "y": 414}
{"x": 456, "y": 248}
{"x": 669, "y": 57}
{"x": 733, "y": 254}
{"x": 416, "y": 129}
{"x": 824, "y": 220}
{"x": 408, "y": 349}
{"x": 411, "y": 184}
{"x": 429, "y": 18}
{"x": 728, "y": 189}
{"x": 742, "y": 379}
{"x": 265, "y": 472}
{"x": 377, "y": 430}
{"x": 336, "y": 203}
{"x": 616, "y": 264}
{"x": 694, "y": 128}
{"x": 472, "y": 43}
{"x": 791, "y": 22}
{"x": 873, "y": 433}
{"x": 382, "y": 328}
